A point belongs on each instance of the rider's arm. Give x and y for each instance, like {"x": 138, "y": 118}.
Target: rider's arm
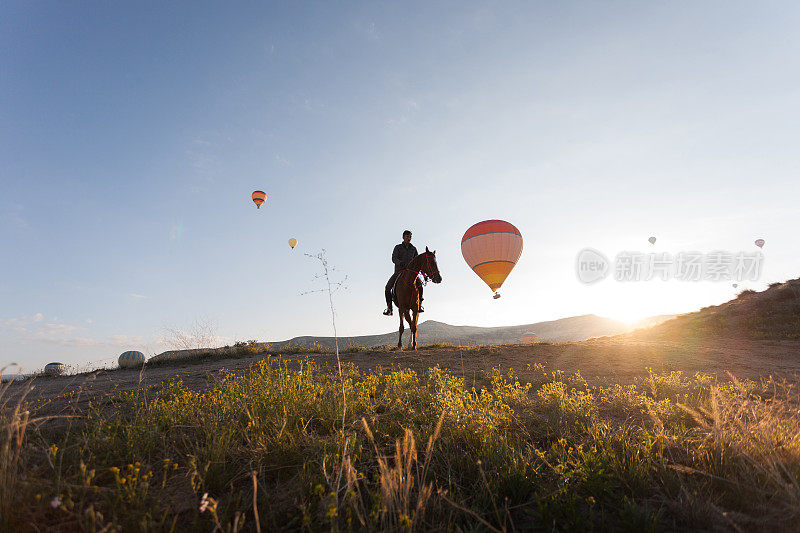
{"x": 396, "y": 255}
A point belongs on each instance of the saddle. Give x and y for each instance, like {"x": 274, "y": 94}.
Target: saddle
{"x": 394, "y": 293}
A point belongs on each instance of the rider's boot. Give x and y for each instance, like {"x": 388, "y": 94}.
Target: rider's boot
{"x": 421, "y": 310}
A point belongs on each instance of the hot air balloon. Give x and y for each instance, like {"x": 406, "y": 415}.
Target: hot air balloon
{"x": 259, "y": 197}
{"x": 54, "y": 369}
{"x": 735, "y": 285}
{"x": 760, "y": 243}
{"x": 131, "y": 359}
{"x": 292, "y": 242}
{"x": 530, "y": 338}
{"x": 652, "y": 240}
{"x": 491, "y": 248}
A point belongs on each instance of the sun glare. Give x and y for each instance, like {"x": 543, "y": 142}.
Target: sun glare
{"x": 626, "y": 316}
{"x": 629, "y": 303}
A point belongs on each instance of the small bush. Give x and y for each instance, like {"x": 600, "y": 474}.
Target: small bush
{"x": 355, "y": 349}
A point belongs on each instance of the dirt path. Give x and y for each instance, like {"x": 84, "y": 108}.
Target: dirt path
{"x": 620, "y": 360}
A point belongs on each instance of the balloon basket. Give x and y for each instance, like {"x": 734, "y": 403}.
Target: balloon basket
{"x": 496, "y": 295}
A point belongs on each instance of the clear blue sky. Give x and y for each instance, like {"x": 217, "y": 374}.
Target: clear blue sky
{"x": 133, "y": 134}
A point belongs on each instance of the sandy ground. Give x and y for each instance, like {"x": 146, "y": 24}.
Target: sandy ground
{"x": 607, "y": 359}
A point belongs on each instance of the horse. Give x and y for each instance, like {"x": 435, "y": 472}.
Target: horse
{"x": 406, "y": 293}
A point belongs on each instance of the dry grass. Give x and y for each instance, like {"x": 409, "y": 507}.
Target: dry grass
{"x": 13, "y": 425}
{"x": 269, "y": 451}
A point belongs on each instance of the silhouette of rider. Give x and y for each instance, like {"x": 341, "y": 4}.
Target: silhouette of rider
{"x": 402, "y": 255}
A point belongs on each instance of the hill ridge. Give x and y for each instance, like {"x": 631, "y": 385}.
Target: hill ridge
{"x": 575, "y": 328}
{"x": 773, "y": 313}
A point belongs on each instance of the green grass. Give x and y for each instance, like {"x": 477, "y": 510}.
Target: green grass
{"x": 242, "y": 350}
{"x": 239, "y": 350}
{"x": 412, "y": 452}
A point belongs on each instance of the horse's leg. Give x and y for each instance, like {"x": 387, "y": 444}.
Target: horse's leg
{"x": 400, "y": 336}
{"x": 413, "y": 323}
{"x": 407, "y": 314}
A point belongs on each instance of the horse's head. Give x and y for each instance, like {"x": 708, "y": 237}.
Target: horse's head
{"x": 429, "y": 266}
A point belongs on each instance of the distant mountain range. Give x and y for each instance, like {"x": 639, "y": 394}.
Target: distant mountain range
{"x": 770, "y": 314}
{"x": 575, "y": 328}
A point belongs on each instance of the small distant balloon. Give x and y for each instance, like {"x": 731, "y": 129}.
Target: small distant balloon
{"x": 760, "y": 243}
{"x": 735, "y": 285}
{"x": 131, "y": 359}
{"x": 259, "y": 197}
{"x": 54, "y": 369}
{"x": 652, "y": 240}
{"x": 292, "y": 242}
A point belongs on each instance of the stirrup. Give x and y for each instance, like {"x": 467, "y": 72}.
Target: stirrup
{"x": 388, "y": 311}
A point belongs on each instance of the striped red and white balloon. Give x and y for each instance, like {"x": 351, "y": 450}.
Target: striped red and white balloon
{"x": 491, "y": 249}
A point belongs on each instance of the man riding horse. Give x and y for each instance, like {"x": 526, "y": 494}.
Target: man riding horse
{"x": 402, "y": 255}
{"x": 409, "y": 266}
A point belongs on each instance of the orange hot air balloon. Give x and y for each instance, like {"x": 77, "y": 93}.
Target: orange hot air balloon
{"x": 292, "y": 242}
{"x": 491, "y": 248}
{"x": 259, "y": 197}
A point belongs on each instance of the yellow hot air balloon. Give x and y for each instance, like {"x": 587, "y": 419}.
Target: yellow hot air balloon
{"x": 491, "y": 249}
{"x": 259, "y": 197}
{"x": 292, "y": 242}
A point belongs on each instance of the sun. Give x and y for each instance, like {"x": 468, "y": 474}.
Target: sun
{"x": 631, "y": 303}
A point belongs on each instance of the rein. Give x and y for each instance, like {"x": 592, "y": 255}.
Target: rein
{"x": 425, "y": 275}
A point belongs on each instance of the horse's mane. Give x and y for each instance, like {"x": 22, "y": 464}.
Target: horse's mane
{"x": 417, "y": 261}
